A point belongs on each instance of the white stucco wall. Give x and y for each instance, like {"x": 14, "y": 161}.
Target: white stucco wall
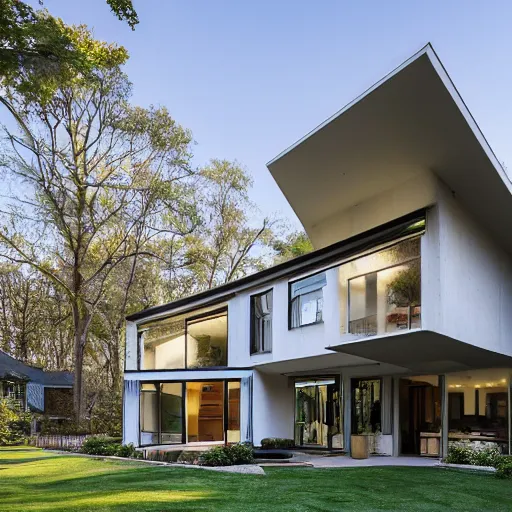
{"x": 273, "y": 407}
{"x": 399, "y": 200}
{"x": 475, "y": 281}
{"x": 297, "y": 343}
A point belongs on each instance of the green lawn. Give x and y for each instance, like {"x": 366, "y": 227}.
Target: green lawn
{"x": 34, "y": 480}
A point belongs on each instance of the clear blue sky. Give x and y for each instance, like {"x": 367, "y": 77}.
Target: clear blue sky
{"x": 251, "y": 77}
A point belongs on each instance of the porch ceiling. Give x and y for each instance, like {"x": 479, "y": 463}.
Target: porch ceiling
{"x": 319, "y": 364}
{"x": 412, "y": 121}
{"x": 426, "y": 352}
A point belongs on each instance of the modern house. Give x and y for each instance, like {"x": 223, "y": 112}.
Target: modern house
{"x": 32, "y": 389}
{"x": 398, "y": 325}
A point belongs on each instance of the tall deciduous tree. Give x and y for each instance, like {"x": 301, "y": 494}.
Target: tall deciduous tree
{"x": 229, "y": 243}
{"x": 92, "y": 181}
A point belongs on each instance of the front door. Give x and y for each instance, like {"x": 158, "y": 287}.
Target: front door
{"x": 317, "y": 414}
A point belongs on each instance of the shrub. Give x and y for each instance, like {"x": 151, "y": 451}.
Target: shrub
{"x": 488, "y": 457}
{"x": 504, "y": 467}
{"x": 216, "y": 456}
{"x": 270, "y": 443}
{"x": 230, "y": 455}
{"x": 460, "y": 455}
{"x": 14, "y": 424}
{"x": 128, "y": 451}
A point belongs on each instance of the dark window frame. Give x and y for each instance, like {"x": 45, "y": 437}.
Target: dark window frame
{"x": 158, "y": 383}
{"x": 290, "y": 284}
{"x": 214, "y": 313}
{"x": 252, "y": 345}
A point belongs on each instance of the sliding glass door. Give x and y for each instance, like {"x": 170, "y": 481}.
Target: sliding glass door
{"x": 189, "y": 412}
{"x": 318, "y": 414}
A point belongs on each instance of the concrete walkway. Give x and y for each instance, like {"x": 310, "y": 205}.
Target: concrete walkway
{"x": 344, "y": 461}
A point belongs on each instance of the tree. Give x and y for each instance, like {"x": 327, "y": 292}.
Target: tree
{"x": 227, "y": 244}
{"x": 294, "y": 244}
{"x": 101, "y": 179}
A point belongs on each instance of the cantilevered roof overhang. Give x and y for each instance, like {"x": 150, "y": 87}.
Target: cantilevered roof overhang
{"x": 412, "y": 121}
{"x": 424, "y": 351}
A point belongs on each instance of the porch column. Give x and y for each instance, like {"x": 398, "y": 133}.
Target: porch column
{"x": 396, "y": 416}
{"x": 347, "y": 411}
{"x": 246, "y": 400}
{"x": 131, "y": 412}
{"x": 444, "y": 416}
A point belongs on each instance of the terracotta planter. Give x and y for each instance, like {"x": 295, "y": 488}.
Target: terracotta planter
{"x": 359, "y": 446}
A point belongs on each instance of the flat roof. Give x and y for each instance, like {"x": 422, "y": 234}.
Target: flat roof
{"x": 412, "y": 121}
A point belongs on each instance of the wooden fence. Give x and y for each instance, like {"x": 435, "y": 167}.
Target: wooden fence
{"x": 58, "y": 442}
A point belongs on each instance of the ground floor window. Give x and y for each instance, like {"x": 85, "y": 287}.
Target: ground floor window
{"x": 478, "y": 408}
{"x": 318, "y": 420}
{"x": 190, "y": 412}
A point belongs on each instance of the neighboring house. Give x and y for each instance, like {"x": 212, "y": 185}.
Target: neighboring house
{"x": 398, "y": 325}
{"x": 33, "y": 389}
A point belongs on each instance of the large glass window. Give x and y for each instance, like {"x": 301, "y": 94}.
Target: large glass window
{"x": 185, "y": 342}
{"x": 261, "y": 323}
{"x": 207, "y": 341}
{"x": 318, "y": 414}
{"x": 189, "y": 412}
{"x": 384, "y": 290}
{"x": 478, "y": 408}
{"x": 307, "y": 300}
{"x": 164, "y": 344}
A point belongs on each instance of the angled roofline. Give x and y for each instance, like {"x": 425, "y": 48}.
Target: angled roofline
{"x": 316, "y": 259}
{"x": 429, "y": 51}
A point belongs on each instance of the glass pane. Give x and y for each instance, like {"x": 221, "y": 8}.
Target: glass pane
{"x": 318, "y": 414}
{"x": 307, "y": 300}
{"x": 478, "y": 408}
{"x": 164, "y": 345}
{"x": 261, "y": 323}
{"x": 207, "y": 342}
{"x": 233, "y": 434}
{"x": 205, "y": 411}
{"x": 388, "y": 298}
{"x": 148, "y": 414}
{"x": 366, "y": 406}
{"x": 171, "y": 413}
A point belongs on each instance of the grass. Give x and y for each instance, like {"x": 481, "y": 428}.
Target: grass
{"x": 34, "y": 480}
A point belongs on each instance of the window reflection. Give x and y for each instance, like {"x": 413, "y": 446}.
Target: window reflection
{"x": 478, "y": 408}
{"x": 384, "y": 290}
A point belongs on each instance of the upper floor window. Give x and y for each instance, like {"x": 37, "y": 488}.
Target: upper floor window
{"x": 261, "y": 323}
{"x": 306, "y": 300}
{"x": 384, "y": 290}
{"x": 185, "y": 342}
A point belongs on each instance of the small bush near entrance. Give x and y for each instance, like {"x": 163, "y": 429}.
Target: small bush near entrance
{"x": 230, "y": 455}
{"x": 273, "y": 443}
{"x": 103, "y": 445}
{"x": 465, "y": 455}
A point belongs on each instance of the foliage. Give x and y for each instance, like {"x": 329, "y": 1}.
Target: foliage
{"x": 277, "y": 443}
{"x": 124, "y": 10}
{"x": 465, "y": 455}
{"x": 102, "y": 445}
{"x": 14, "y": 424}
{"x": 293, "y": 245}
{"x": 405, "y": 289}
{"x": 229, "y": 455}
{"x": 504, "y": 467}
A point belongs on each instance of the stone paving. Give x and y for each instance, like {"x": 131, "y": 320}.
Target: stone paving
{"x": 345, "y": 461}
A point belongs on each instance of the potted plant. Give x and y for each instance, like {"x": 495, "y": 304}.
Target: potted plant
{"x": 405, "y": 292}
{"x": 360, "y": 444}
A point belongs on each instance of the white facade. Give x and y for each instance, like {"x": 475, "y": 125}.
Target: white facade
{"x": 445, "y": 352}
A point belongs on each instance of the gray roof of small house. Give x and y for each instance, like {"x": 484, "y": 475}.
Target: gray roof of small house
{"x": 11, "y": 368}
